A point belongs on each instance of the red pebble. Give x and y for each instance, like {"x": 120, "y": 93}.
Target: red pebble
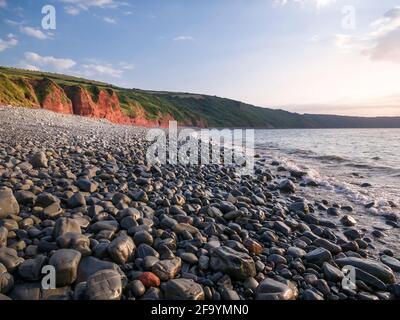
{"x": 149, "y": 279}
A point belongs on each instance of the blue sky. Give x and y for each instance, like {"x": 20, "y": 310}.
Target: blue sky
{"x": 300, "y": 55}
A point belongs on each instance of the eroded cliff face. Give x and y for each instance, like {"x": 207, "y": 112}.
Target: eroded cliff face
{"x": 52, "y": 97}
{"x": 94, "y": 102}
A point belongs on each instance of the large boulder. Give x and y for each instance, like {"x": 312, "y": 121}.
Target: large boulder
{"x": 237, "y": 264}
{"x": 8, "y": 203}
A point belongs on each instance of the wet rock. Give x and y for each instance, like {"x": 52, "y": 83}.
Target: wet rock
{"x": 287, "y": 186}
{"x": 318, "y": 256}
{"x": 182, "y": 289}
{"x": 348, "y": 221}
{"x": 270, "y": 289}
{"x": 104, "y": 285}
{"x": 378, "y": 270}
{"x": 253, "y": 246}
{"x": 328, "y": 245}
{"x": 391, "y": 262}
{"x": 237, "y": 264}
{"x": 332, "y": 273}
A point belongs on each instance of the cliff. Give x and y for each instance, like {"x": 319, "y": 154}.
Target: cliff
{"x": 72, "y": 95}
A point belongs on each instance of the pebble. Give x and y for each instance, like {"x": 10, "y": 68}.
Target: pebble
{"x": 270, "y": 289}
{"x": 121, "y": 249}
{"x": 182, "y": 289}
{"x": 104, "y": 285}
{"x": 8, "y": 203}
{"x": 65, "y": 262}
{"x": 237, "y": 264}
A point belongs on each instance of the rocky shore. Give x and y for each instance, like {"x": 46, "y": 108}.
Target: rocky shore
{"x": 77, "y": 194}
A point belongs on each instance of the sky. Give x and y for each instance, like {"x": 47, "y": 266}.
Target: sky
{"x": 308, "y": 56}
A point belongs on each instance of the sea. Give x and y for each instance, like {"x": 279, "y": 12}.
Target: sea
{"x": 343, "y": 162}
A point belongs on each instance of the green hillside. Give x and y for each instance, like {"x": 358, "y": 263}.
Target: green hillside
{"x": 28, "y": 88}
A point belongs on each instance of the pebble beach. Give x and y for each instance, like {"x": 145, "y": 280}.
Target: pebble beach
{"x": 77, "y": 194}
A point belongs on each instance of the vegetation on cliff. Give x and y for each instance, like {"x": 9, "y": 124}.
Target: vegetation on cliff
{"x": 68, "y": 94}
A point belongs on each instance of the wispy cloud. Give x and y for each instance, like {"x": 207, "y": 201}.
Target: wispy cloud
{"x": 381, "y": 43}
{"x": 126, "y": 66}
{"x": 74, "y": 7}
{"x": 33, "y": 32}
{"x": 37, "y": 61}
{"x": 3, "y": 3}
{"x": 109, "y": 20}
{"x": 12, "y": 23}
{"x": 9, "y": 43}
{"x": 318, "y": 3}
{"x": 184, "y": 38}
{"x": 73, "y": 11}
{"x": 90, "y": 70}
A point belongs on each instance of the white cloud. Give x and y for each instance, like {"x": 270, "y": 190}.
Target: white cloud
{"x": 76, "y": 6}
{"x": 3, "y": 3}
{"x": 29, "y": 67}
{"x": 318, "y": 3}
{"x": 381, "y": 43}
{"x": 32, "y": 32}
{"x": 109, "y": 20}
{"x": 59, "y": 64}
{"x": 12, "y": 23}
{"x": 9, "y": 43}
{"x": 91, "y": 70}
{"x": 126, "y": 66}
{"x": 73, "y": 11}
{"x": 184, "y": 38}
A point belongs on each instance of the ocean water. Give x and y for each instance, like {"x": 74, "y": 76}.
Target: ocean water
{"x": 341, "y": 160}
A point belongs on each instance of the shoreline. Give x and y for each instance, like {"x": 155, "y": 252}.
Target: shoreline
{"x": 79, "y": 196}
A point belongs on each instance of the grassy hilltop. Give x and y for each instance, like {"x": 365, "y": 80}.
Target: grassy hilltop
{"x": 37, "y": 89}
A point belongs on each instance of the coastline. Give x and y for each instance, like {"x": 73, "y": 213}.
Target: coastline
{"x": 168, "y": 232}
